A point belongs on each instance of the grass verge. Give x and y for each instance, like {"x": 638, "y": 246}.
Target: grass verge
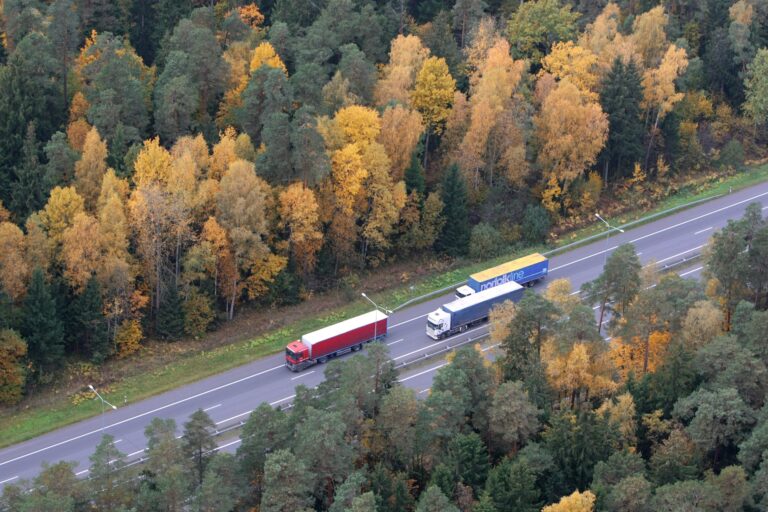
{"x": 22, "y": 425}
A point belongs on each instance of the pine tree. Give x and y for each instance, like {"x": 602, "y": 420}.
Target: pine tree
{"x": 620, "y": 98}
{"x": 42, "y": 327}
{"x": 454, "y": 238}
{"x": 198, "y": 441}
{"x": 170, "y": 317}
{"x": 88, "y": 322}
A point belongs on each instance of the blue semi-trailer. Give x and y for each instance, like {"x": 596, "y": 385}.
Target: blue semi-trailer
{"x": 461, "y": 314}
{"x": 526, "y": 271}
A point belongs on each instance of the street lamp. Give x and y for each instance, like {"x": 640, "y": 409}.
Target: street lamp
{"x": 90, "y": 386}
{"x": 607, "y": 234}
{"x": 376, "y": 320}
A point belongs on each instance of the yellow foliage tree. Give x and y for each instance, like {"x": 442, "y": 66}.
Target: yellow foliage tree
{"x": 358, "y": 125}
{"x": 576, "y": 502}
{"x": 500, "y": 321}
{"x": 14, "y": 270}
{"x": 347, "y": 176}
{"x": 39, "y": 246}
{"x": 572, "y": 130}
{"x": 251, "y": 15}
{"x": 433, "y": 94}
{"x": 582, "y": 371}
{"x": 494, "y": 81}
{"x": 574, "y": 63}
{"x": 384, "y": 202}
{"x": 559, "y": 293}
{"x": 639, "y": 355}
{"x": 621, "y": 413}
{"x": 298, "y": 210}
{"x": 128, "y": 338}
{"x": 401, "y": 129}
{"x": 81, "y": 251}
{"x": 111, "y": 185}
{"x": 406, "y": 58}
{"x": 223, "y": 154}
{"x": 649, "y": 35}
{"x": 659, "y": 94}
{"x": 153, "y": 164}
{"x": 196, "y": 147}
{"x": 12, "y": 364}
{"x": 90, "y": 169}
{"x": 59, "y": 213}
{"x": 703, "y": 323}
{"x": 265, "y": 55}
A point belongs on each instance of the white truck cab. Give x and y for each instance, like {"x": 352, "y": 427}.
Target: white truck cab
{"x": 438, "y": 322}
{"x": 464, "y": 291}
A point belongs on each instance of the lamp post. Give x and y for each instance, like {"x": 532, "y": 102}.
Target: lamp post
{"x": 607, "y": 234}
{"x": 90, "y": 386}
{"x": 376, "y": 321}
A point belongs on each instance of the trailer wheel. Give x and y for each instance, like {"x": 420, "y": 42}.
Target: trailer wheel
{"x": 360, "y": 347}
{"x": 322, "y": 360}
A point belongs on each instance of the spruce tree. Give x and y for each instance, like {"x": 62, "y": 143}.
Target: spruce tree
{"x": 42, "y": 327}
{"x": 30, "y": 189}
{"x": 88, "y": 322}
{"x": 170, "y": 318}
{"x": 620, "y": 98}
{"x": 454, "y": 238}
{"x": 414, "y": 174}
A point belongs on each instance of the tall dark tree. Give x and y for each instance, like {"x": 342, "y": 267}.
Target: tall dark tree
{"x": 618, "y": 285}
{"x": 88, "y": 322}
{"x": 30, "y": 190}
{"x": 512, "y": 486}
{"x": 468, "y": 457}
{"x": 198, "y": 442}
{"x": 65, "y": 36}
{"x": 454, "y": 238}
{"x": 61, "y": 158}
{"x": 29, "y": 92}
{"x": 170, "y": 318}
{"x": 308, "y": 156}
{"x": 620, "y": 99}
{"x": 41, "y": 327}
{"x": 414, "y": 174}
{"x": 274, "y": 164}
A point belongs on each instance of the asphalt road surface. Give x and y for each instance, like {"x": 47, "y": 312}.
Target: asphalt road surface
{"x": 230, "y": 396}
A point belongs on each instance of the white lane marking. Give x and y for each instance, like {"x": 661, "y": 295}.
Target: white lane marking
{"x": 422, "y": 373}
{"x": 9, "y": 480}
{"x": 228, "y": 444}
{"x": 153, "y": 411}
{"x": 424, "y": 391}
{"x": 431, "y": 345}
{"x": 118, "y": 441}
{"x": 491, "y": 347}
{"x": 303, "y": 375}
{"x": 575, "y": 293}
{"x": 395, "y": 342}
{"x": 407, "y": 321}
{"x": 699, "y": 217}
{"x": 665, "y": 229}
{"x": 764, "y": 208}
{"x": 281, "y": 400}
{"x": 681, "y": 253}
{"x": 702, "y": 230}
{"x": 82, "y": 472}
{"x": 235, "y": 417}
{"x": 691, "y": 271}
{"x": 596, "y": 307}
{"x": 211, "y": 408}
{"x": 582, "y": 259}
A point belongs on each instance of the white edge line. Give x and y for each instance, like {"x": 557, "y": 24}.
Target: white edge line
{"x": 238, "y": 440}
{"x": 82, "y": 472}
{"x": 211, "y": 408}
{"x": 407, "y": 321}
{"x": 303, "y": 375}
{"x": 691, "y": 271}
{"x": 153, "y": 411}
{"x": 702, "y": 230}
{"x": 9, "y": 480}
{"x": 422, "y": 373}
{"x": 395, "y": 342}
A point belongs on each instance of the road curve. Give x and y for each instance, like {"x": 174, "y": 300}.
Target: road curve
{"x": 230, "y": 396}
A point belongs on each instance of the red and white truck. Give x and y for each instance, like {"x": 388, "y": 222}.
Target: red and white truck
{"x": 335, "y": 340}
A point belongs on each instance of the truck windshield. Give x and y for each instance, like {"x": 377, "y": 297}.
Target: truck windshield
{"x": 433, "y": 325}
{"x": 290, "y": 354}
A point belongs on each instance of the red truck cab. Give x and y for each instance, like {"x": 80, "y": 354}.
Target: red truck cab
{"x": 296, "y": 354}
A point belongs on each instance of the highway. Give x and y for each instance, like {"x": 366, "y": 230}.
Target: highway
{"x": 229, "y": 397}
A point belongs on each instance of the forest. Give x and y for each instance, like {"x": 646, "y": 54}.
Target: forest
{"x": 165, "y": 163}
{"x": 668, "y": 414}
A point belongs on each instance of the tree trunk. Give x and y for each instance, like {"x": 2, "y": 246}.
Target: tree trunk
{"x": 426, "y": 148}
